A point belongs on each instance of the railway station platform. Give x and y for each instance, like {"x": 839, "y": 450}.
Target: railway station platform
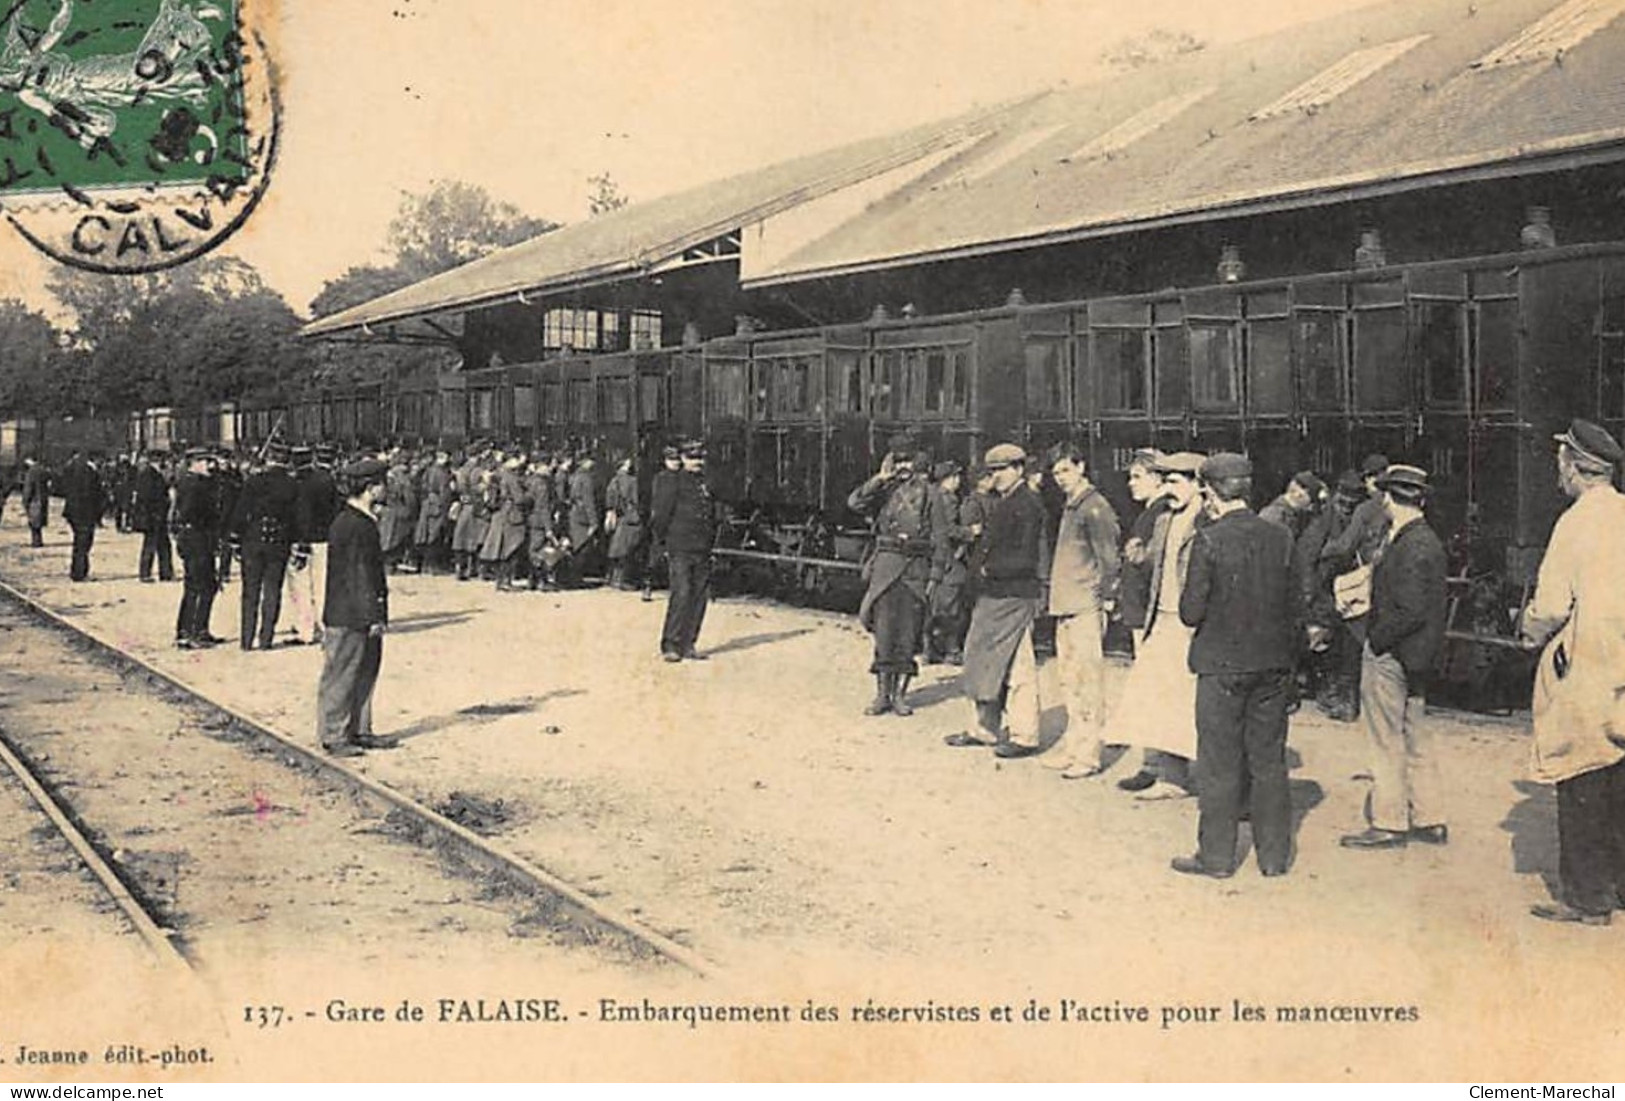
{"x": 743, "y": 806}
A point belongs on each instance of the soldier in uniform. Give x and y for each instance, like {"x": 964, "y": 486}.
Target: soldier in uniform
{"x": 197, "y": 523}
{"x": 266, "y": 524}
{"x": 228, "y": 489}
{"x": 623, "y": 519}
{"x": 683, "y": 517}
{"x": 542, "y": 546}
{"x": 398, "y": 517}
{"x": 945, "y": 618}
{"x": 428, "y": 537}
{"x": 671, "y": 462}
{"x": 1010, "y": 567}
{"x": 585, "y": 520}
{"x": 905, "y": 564}
{"x": 36, "y": 499}
{"x": 468, "y": 532}
{"x": 149, "y": 515}
{"x": 505, "y": 537}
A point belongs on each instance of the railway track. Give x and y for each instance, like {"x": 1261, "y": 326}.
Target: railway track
{"x": 567, "y": 914}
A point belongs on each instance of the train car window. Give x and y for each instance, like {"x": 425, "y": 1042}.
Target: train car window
{"x": 1439, "y": 352}
{"x": 1321, "y": 293}
{"x": 1213, "y": 368}
{"x": 1120, "y": 355}
{"x": 482, "y": 406}
{"x": 1503, "y": 281}
{"x": 1223, "y": 304}
{"x": 1269, "y": 366}
{"x": 1446, "y": 284}
{"x": 845, "y": 380}
{"x": 1046, "y": 379}
{"x": 1381, "y": 375}
{"x": 454, "y": 413}
{"x": 581, "y": 401}
{"x": 725, "y": 394}
{"x": 524, "y": 406}
{"x": 614, "y": 400}
{"x": 959, "y": 402}
{"x": 552, "y": 403}
{"x": 1268, "y": 304}
{"x": 609, "y": 339}
{"x": 649, "y": 395}
{"x": 1110, "y": 312}
{"x": 1172, "y": 371}
{"x": 1610, "y": 377}
{"x": 1386, "y": 293}
{"x": 936, "y": 381}
{"x": 1320, "y": 359}
{"x": 1496, "y": 354}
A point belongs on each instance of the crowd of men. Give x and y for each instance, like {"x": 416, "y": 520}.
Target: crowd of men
{"x": 1338, "y": 591}
{"x": 1232, "y": 613}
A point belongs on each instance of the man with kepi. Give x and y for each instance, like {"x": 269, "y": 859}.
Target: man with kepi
{"x": 354, "y": 615}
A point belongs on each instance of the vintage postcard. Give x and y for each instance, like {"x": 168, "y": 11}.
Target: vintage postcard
{"x": 751, "y": 540}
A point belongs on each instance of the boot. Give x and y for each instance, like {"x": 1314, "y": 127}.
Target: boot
{"x": 883, "y": 695}
{"x": 899, "y": 692}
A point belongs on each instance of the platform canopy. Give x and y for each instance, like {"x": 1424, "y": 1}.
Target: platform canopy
{"x": 1389, "y": 98}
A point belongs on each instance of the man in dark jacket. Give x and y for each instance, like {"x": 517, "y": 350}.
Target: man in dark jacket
{"x": 355, "y": 612}
{"x": 227, "y": 477}
{"x": 683, "y": 519}
{"x": 149, "y": 515}
{"x": 945, "y": 622}
{"x": 1241, "y": 598}
{"x": 905, "y": 564}
{"x": 1010, "y": 567}
{"x": 319, "y": 502}
{"x": 1404, "y": 632}
{"x": 268, "y": 521}
{"x": 196, "y": 527}
{"x": 82, "y": 502}
{"x": 36, "y": 499}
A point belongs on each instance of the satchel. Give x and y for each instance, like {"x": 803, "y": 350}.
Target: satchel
{"x": 1351, "y": 592}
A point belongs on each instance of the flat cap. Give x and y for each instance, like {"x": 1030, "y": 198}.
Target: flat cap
{"x": 1002, "y": 455}
{"x": 1146, "y": 456}
{"x": 692, "y": 449}
{"x": 671, "y": 451}
{"x": 366, "y": 470}
{"x": 1226, "y": 464}
{"x": 1591, "y": 442}
{"x": 945, "y": 469}
{"x": 1375, "y": 463}
{"x": 1405, "y": 479}
{"x": 1188, "y": 463}
{"x": 903, "y": 443}
{"x": 1311, "y": 483}
{"x": 1350, "y": 485}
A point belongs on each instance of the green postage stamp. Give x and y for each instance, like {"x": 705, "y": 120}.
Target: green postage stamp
{"x": 134, "y": 134}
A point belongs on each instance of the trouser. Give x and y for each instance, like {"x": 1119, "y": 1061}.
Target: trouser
{"x": 83, "y": 536}
{"x": 36, "y": 536}
{"x": 1018, "y": 708}
{"x": 1591, "y": 839}
{"x": 1340, "y": 687}
{"x": 155, "y": 546}
{"x": 303, "y": 585}
{"x": 685, "y": 607}
{"x": 200, "y": 583}
{"x": 897, "y": 615}
{"x": 1081, "y": 668}
{"x": 946, "y": 623}
{"x": 351, "y": 659}
{"x": 264, "y": 565}
{"x": 1404, "y": 770}
{"x": 223, "y": 551}
{"x": 1241, "y": 728}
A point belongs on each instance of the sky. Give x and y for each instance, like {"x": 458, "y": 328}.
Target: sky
{"x": 530, "y": 98}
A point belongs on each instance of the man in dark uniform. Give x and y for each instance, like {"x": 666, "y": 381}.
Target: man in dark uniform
{"x": 671, "y": 462}
{"x": 1241, "y": 598}
{"x": 904, "y": 567}
{"x": 1010, "y": 568}
{"x": 355, "y": 612}
{"x": 196, "y": 529}
{"x": 149, "y": 515}
{"x": 319, "y": 502}
{"x": 1405, "y": 631}
{"x": 268, "y": 521}
{"x": 82, "y": 502}
{"x": 228, "y": 487}
{"x": 683, "y": 519}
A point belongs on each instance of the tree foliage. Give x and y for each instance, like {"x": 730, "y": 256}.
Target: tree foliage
{"x": 452, "y": 223}
{"x": 30, "y": 361}
{"x": 606, "y": 195}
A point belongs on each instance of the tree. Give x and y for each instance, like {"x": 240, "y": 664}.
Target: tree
{"x": 1152, "y": 48}
{"x": 30, "y": 356}
{"x": 606, "y": 195}
{"x": 453, "y": 223}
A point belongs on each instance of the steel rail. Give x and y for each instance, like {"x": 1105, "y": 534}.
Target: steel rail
{"x": 483, "y": 852}
{"x": 156, "y": 937}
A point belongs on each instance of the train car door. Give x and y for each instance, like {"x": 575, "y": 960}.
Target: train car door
{"x": 1497, "y": 433}
{"x": 614, "y": 435}
{"x": 453, "y": 416}
{"x": 685, "y": 391}
{"x": 524, "y": 401}
{"x": 1046, "y": 346}
{"x": 1172, "y": 423}
{"x": 1116, "y": 347}
{"x": 786, "y": 440}
{"x": 1274, "y": 426}
{"x": 1440, "y": 341}
{"x": 1213, "y": 350}
{"x": 847, "y": 459}
{"x": 1321, "y": 326}
{"x": 1384, "y": 417}
{"x": 727, "y": 410}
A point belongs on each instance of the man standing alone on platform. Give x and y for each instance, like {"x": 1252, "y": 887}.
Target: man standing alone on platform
{"x": 355, "y": 612}
{"x": 1009, "y": 567}
{"x": 1404, "y": 632}
{"x": 1578, "y": 614}
{"x": 1241, "y": 599}
{"x": 196, "y": 528}
{"x": 683, "y": 519}
{"x": 82, "y": 503}
{"x": 903, "y": 569}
